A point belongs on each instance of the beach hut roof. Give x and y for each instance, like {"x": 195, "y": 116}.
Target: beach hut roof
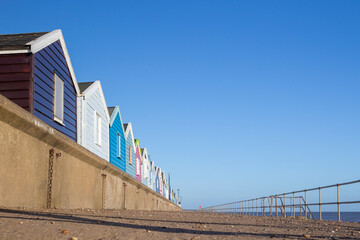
{"x": 87, "y": 88}
{"x": 34, "y": 42}
{"x": 113, "y": 111}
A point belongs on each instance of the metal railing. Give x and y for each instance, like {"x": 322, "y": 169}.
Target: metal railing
{"x": 296, "y": 200}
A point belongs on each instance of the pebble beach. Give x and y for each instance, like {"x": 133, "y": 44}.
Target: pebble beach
{"x": 192, "y": 225}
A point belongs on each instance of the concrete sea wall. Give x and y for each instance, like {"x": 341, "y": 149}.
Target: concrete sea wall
{"x": 40, "y": 167}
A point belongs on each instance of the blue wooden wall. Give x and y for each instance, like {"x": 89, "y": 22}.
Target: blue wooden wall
{"x": 115, "y": 128}
{"x": 130, "y": 168}
{"x": 152, "y": 175}
{"x": 46, "y": 62}
{"x": 157, "y": 181}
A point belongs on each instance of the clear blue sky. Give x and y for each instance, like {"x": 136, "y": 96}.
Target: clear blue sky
{"x": 236, "y": 99}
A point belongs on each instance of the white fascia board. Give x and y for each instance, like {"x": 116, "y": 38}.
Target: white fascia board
{"x": 113, "y": 116}
{"x": 130, "y": 131}
{"x": 49, "y": 38}
{"x": 15, "y": 51}
{"x": 80, "y": 118}
{"x": 91, "y": 89}
{"x": 44, "y": 41}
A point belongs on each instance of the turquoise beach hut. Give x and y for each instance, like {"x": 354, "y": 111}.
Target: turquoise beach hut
{"x": 117, "y": 141}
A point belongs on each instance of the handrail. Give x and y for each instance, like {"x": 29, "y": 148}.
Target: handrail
{"x": 243, "y": 207}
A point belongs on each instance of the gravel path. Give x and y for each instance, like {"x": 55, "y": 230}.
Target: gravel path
{"x": 127, "y": 224}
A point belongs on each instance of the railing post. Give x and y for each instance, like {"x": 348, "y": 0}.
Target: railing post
{"x": 257, "y": 212}
{"x": 263, "y": 206}
{"x": 338, "y": 202}
{"x": 305, "y": 206}
{"x": 252, "y": 204}
{"x": 245, "y": 208}
{"x": 276, "y": 207}
{"x": 299, "y": 206}
{"x": 293, "y": 204}
{"x": 284, "y": 206}
{"x": 242, "y": 207}
{"x": 319, "y": 203}
{"x": 250, "y": 207}
{"x": 270, "y": 206}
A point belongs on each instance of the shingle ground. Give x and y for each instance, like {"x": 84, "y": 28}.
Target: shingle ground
{"x": 128, "y": 224}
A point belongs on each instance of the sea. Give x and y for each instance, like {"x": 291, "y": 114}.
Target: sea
{"x": 344, "y": 216}
{"x": 331, "y": 216}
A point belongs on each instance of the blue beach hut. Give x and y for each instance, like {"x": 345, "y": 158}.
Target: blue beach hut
{"x": 157, "y": 184}
{"x": 158, "y": 180}
{"x": 130, "y": 150}
{"x": 152, "y": 175}
{"x": 117, "y": 141}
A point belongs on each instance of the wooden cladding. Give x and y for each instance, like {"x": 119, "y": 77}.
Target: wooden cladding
{"x": 28, "y": 80}
{"x": 15, "y": 76}
{"x": 47, "y": 62}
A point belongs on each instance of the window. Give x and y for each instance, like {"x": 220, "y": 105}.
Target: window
{"x": 118, "y": 145}
{"x": 137, "y": 166}
{"x": 97, "y": 129}
{"x": 130, "y": 155}
{"x": 58, "y": 99}
{"x": 146, "y": 172}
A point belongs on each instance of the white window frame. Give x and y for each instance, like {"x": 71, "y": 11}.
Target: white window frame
{"x": 97, "y": 128}
{"x": 58, "y": 97}
{"x": 118, "y": 136}
{"x": 137, "y": 166}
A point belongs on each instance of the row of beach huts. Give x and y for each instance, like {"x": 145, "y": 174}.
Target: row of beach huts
{"x": 36, "y": 73}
